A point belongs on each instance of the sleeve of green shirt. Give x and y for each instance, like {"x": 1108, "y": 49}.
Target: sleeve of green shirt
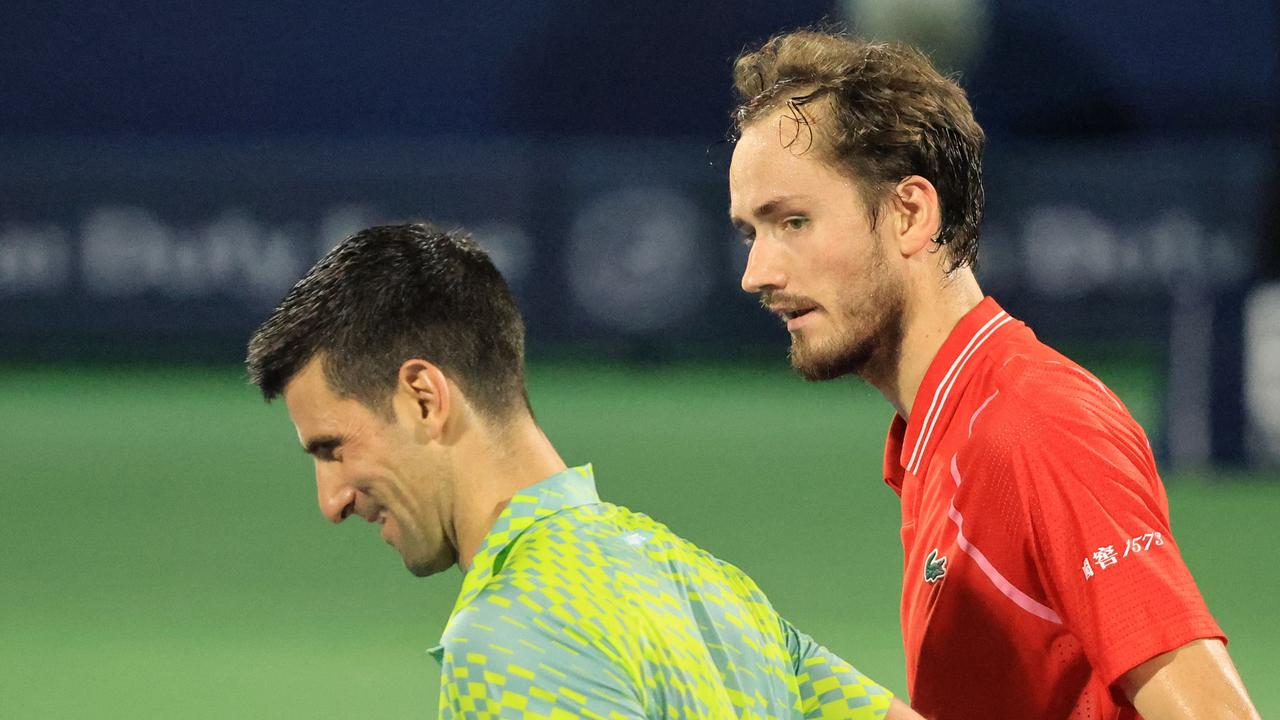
{"x": 831, "y": 688}
{"x": 521, "y": 663}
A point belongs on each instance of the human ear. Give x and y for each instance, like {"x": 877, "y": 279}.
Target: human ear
{"x": 917, "y": 215}
{"x": 423, "y": 396}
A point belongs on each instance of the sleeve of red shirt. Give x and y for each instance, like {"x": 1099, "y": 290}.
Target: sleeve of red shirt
{"x": 1099, "y": 520}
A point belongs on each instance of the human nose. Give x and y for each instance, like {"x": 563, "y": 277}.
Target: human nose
{"x": 763, "y": 271}
{"x": 337, "y": 499}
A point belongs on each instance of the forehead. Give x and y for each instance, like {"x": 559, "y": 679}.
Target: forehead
{"x": 308, "y": 385}
{"x": 312, "y": 403}
{"x": 777, "y": 156}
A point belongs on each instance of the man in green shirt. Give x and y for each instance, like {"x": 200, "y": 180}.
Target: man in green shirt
{"x": 400, "y": 357}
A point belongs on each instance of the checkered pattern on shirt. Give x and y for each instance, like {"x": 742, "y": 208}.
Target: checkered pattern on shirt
{"x": 577, "y": 608}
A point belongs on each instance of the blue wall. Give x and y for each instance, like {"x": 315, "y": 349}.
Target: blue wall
{"x": 566, "y": 67}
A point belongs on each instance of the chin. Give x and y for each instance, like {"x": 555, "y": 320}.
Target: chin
{"x": 817, "y": 364}
{"x": 421, "y": 570}
{"x": 866, "y": 344}
{"x": 426, "y": 566}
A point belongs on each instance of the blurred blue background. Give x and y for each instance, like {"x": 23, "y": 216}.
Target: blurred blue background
{"x": 170, "y": 170}
{"x": 167, "y": 171}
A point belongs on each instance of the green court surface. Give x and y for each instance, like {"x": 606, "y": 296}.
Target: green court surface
{"x": 163, "y": 555}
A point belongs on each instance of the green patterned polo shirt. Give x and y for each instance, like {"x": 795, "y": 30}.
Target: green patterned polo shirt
{"x": 575, "y": 608}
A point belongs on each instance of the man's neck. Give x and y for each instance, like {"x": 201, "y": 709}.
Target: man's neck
{"x": 931, "y": 316}
{"x": 499, "y": 465}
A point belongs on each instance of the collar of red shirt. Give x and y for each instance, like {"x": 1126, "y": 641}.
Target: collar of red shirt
{"x": 911, "y": 444}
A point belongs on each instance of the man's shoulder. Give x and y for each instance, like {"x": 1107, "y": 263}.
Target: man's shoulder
{"x": 543, "y": 594}
{"x": 593, "y": 532}
{"x": 605, "y": 535}
{"x": 573, "y": 555}
{"x": 1036, "y": 390}
{"x": 562, "y": 581}
{"x": 1033, "y": 405}
{"x": 605, "y": 554}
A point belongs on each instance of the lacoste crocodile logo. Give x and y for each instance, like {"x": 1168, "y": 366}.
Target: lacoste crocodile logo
{"x": 934, "y": 567}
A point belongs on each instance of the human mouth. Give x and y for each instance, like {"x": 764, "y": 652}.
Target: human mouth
{"x": 376, "y": 516}
{"x": 794, "y": 316}
{"x": 798, "y": 320}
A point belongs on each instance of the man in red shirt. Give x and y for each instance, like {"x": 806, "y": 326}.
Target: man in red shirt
{"x": 1041, "y": 576}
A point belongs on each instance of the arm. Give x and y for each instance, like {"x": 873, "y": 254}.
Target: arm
{"x": 1102, "y": 540}
{"x": 832, "y": 689}
{"x": 1113, "y": 571}
{"x": 1198, "y": 680}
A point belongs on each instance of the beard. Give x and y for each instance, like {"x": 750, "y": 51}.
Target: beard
{"x": 866, "y": 335}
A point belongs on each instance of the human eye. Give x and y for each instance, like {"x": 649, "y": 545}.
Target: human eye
{"x": 325, "y": 451}
{"x": 795, "y": 222}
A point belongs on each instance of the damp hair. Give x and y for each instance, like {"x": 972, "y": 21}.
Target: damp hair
{"x": 878, "y": 112}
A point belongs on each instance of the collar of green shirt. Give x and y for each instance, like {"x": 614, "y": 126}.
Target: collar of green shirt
{"x": 570, "y": 488}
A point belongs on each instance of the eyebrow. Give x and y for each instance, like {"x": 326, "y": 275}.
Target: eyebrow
{"x": 323, "y": 444}
{"x": 765, "y": 210}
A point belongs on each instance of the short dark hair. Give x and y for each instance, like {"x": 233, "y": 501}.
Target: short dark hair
{"x": 389, "y": 294}
{"x": 894, "y": 116}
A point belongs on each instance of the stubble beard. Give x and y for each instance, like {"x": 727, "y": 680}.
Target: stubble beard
{"x": 868, "y": 337}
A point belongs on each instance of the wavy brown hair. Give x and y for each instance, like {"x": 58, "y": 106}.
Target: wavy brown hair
{"x": 892, "y": 116}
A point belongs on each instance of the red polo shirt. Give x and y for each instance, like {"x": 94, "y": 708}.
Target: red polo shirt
{"x": 1039, "y": 564}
